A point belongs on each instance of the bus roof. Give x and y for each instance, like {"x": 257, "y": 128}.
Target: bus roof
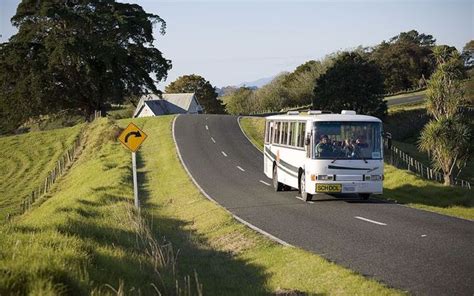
{"x": 325, "y": 117}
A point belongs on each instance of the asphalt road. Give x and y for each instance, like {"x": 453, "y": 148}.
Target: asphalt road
{"x": 405, "y": 100}
{"x": 413, "y": 250}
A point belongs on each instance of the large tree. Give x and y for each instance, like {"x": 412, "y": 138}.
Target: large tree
{"x": 449, "y": 136}
{"x": 405, "y": 60}
{"x": 240, "y": 101}
{"x": 205, "y": 93}
{"x": 353, "y": 83}
{"x": 77, "y": 55}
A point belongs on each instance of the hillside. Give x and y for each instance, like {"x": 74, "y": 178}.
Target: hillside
{"x": 25, "y": 162}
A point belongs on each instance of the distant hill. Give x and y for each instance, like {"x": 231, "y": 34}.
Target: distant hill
{"x": 225, "y": 90}
{"x": 257, "y": 83}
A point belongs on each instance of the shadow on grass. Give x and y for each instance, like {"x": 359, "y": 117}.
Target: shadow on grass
{"x": 117, "y": 254}
{"x": 430, "y": 195}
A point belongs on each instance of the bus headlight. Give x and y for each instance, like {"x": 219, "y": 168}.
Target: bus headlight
{"x": 325, "y": 177}
{"x": 375, "y": 178}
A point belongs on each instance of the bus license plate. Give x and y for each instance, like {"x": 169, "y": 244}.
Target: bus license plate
{"x": 328, "y": 187}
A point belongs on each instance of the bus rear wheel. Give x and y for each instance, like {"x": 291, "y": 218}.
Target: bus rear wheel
{"x": 364, "y": 196}
{"x": 304, "y": 195}
{"x": 278, "y": 186}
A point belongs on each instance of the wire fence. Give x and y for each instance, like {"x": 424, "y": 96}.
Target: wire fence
{"x": 402, "y": 160}
{"x": 61, "y": 167}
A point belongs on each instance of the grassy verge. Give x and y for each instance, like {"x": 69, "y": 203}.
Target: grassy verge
{"x": 406, "y": 95}
{"x": 86, "y": 238}
{"x": 403, "y": 186}
{"x": 254, "y": 130}
{"x": 229, "y": 258}
{"x": 467, "y": 172}
{"x": 26, "y": 160}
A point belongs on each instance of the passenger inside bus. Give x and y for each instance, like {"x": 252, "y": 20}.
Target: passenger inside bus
{"x": 324, "y": 148}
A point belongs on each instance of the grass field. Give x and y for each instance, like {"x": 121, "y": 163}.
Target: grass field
{"x": 401, "y": 185}
{"x": 25, "y": 162}
{"x": 85, "y": 238}
{"x": 406, "y": 95}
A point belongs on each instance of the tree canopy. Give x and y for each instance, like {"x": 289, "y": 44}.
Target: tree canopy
{"x": 240, "y": 101}
{"x": 405, "y": 60}
{"x": 77, "y": 55}
{"x": 352, "y": 83}
{"x": 205, "y": 93}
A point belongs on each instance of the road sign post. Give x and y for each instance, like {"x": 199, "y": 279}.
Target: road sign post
{"x": 135, "y": 181}
{"x": 132, "y": 137}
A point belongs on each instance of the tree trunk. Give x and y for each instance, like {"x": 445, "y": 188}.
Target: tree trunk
{"x": 448, "y": 179}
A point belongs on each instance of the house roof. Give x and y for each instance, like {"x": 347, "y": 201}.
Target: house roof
{"x": 167, "y": 104}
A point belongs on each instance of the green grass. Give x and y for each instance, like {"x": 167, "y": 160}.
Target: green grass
{"x": 407, "y": 188}
{"x": 229, "y": 258}
{"x": 467, "y": 172}
{"x": 253, "y": 130}
{"x": 402, "y": 186}
{"x": 86, "y": 236}
{"x": 406, "y": 95}
{"x": 25, "y": 162}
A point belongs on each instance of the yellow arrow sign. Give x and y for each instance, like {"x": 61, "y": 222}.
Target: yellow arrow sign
{"x": 132, "y": 137}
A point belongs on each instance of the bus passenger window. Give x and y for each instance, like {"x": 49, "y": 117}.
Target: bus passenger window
{"x": 301, "y": 132}
{"x": 293, "y": 133}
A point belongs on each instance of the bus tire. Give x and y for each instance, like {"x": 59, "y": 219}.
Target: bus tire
{"x": 278, "y": 186}
{"x": 364, "y": 196}
{"x": 302, "y": 182}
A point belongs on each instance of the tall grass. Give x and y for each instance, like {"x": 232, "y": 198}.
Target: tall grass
{"x": 87, "y": 238}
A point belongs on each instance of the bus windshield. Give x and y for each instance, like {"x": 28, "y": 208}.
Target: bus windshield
{"x": 347, "y": 140}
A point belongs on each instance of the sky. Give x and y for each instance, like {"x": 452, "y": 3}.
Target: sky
{"x": 229, "y": 42}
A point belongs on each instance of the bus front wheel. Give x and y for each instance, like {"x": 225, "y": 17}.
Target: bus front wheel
{"x": 304, "y": 195}
{"x": 364, "y": 196}
{"x": 278, "y": 186}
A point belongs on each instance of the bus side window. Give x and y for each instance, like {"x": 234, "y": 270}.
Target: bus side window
{"x": 301, "y": 134}
{"x": 268, "y": 132}
{"x": 276, "y": 134}
{"x": 293, "y": 134}
{"x": 284, "y": 133}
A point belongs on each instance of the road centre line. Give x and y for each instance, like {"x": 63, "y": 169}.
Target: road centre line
{"x": 263, "y": 182}
{"x": 240, "y": 168}
{"x": 212, "y": 139}
{"x": 223, "y": 153}
{"x": 371, "y": 221}
{"x": 207, "y": 127}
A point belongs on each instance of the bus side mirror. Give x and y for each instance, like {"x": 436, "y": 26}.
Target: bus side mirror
{"x": 307, "y": 140}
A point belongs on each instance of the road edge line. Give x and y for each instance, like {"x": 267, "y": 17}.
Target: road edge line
{"x": 246, "y": 223}
{"x": 242, "y": 130}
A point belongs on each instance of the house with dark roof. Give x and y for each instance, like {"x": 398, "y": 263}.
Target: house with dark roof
{"x": 180, "y": 103}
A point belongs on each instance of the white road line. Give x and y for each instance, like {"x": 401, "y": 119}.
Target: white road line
{"x": 423, "y": 235}
{"x": 263, "y": 182}
{"x": 311, "y": 202}
{"x": 212, "y": 139}
{"x": 241, "y": 169}
{"x": 299, "y": 197}
{"x": 223, "y": 153}
{"x": 207, "y": 127}
{"x": 371, "y": 221}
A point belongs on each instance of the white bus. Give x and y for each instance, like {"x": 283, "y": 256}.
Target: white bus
{"x": 324, "y": 153}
